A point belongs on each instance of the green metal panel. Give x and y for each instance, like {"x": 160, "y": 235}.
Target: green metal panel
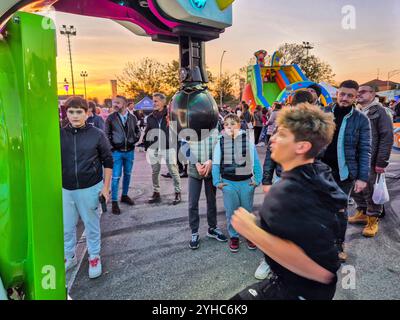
{"x": 31, "y": 230}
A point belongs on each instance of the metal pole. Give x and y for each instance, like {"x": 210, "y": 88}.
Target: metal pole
{"x": 84, "y": 83}
{"x": 220, "y": 79}
{"x": 70, "y": 59}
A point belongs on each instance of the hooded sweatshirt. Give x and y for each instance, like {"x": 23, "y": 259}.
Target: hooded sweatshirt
{"x": 302, "y": 208}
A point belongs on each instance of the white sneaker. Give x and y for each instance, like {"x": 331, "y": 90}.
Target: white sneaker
{"x": 262, "y": 271}
{"x": 94, "y": 267}
{"x": 70, "y": 263}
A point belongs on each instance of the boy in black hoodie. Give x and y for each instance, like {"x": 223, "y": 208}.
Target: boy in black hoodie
{"x": 299, "y": 229}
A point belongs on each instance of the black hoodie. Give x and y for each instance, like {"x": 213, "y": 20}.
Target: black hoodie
{"x": 302, "y": 207}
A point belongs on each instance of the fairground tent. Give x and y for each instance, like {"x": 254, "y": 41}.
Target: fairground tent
{"x": 145, "y": 104}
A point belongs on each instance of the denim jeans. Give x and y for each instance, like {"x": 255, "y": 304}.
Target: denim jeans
{"x": 122, "y": 160}
{"x": 82, "y": 203}
{"x": 237, "y": 194}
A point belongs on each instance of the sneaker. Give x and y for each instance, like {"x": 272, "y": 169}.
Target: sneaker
{"x": 262, "y": 270}
{"x": 234, "y": 245}
{"x": 251, "y": 245}
{"x": 94, "y": 267}
{"x": 195, "y": 242}
{"x": 127, "y": 200}
{"x": 359, "y": 218}
{"x": 351, "y": 202}
{"x": 70, "y": 263}
{"x": 217, "y": 234}
{"x": 166, "y": 175}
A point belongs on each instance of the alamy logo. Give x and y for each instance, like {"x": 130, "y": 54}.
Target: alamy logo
{"x": 349, "y": 21}
{"x": 49, "y": 277}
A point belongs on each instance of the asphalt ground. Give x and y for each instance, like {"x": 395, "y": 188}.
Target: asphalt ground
{"x": 145, "y": 251}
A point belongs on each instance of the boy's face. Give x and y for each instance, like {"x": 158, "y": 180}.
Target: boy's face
{"x": 77, "y": 117}
{"x": 284, "y": 147}
{"x": 346, "y": 97}
{"x": 231, "y": 127}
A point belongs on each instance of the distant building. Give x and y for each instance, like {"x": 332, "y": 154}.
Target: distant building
{"x": 114, "y": 88}
{"x": 382, "y": 85}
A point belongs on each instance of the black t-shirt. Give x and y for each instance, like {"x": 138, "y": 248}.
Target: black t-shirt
{"x": 330, "y": 156}
{"x": 302, "y": 207}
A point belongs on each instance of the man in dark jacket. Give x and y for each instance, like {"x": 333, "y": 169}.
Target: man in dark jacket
{"x": 84, "y": 151}
{"x": 349, "y": 154}
{"x": 368, "y": 212}
{"x": 94, "y": 119}
{"x": 157, "y": 144}
{"x": 123, "y": 132}
{"x": 298, "y": 226}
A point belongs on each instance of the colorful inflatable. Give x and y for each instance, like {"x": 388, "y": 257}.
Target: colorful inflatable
{"x": 268, "y": 84}
{"x": 31, "y": 223}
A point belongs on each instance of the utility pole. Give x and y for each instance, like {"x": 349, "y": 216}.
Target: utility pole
{"x": 69, "y": 32}
{"x": 84, "y": 75}
{"x": 220, "y": 78}
{"x": 391, "y": 74}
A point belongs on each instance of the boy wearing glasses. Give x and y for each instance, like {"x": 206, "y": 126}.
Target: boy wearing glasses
{"x": 237, "y": 172}
{"x": 85, "y": 151}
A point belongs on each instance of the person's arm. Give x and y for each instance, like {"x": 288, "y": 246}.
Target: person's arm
{"x": 107, "y": 161}
{"x": 284, "y": 252}
{"x": 257, "y": 170}
{"x": 268, "y": 168}
{"x": 101, "y": 123}
{"x": 216, "y": 165}
{"x": 385, "y": 133}
{"x": 108, "y": 129}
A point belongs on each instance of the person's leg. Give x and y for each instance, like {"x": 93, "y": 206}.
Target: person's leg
{"x": 173, "y": 170}
{"x": 211, "y": 193}
{"x": 116, "y": 175}
{"x": 87, "y": 204}
{"x": 374, "y": 211}
{"x": 231, "y": 203}
{"x": 128, "y": 159}
{"x": 155, "y": 171}
{"x": 195, "y": 186}
{"x": 70, "y": 218}
{"x": 246, "y": 195}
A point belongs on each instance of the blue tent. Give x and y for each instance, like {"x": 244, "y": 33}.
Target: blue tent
{"x": 145, "y": 104}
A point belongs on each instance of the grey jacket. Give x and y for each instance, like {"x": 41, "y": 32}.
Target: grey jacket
{"x": 382, "y": 135}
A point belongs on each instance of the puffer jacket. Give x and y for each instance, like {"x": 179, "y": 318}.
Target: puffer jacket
{"x": 382, "y": 135}
{"x": 356, "y": 145}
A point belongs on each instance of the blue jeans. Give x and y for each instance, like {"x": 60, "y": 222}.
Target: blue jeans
{"x": 82, "y": 203}
{"x": 237, "y": 194}
{"x": 121, "y": 160}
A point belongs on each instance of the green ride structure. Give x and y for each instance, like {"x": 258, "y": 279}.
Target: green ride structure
{"x": 31, "y": 217}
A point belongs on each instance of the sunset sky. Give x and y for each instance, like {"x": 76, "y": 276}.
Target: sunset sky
{"x": 102, "y": 47}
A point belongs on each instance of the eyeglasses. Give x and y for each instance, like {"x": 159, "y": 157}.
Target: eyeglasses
{"x": 364, "y": 91}
{"x": 77, "y": 112}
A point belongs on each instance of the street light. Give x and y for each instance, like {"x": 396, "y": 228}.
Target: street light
{"x": 69, "y": 32}
{"x": 307, "y": 46}
{"x": 84, "y": 75}
{"x": 220, "y": 78}
{"x": 66, "y": 85}
{"x": 391, "y": 74}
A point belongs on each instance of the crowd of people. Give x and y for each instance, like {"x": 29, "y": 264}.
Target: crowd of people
{"x": 316, "y": 159}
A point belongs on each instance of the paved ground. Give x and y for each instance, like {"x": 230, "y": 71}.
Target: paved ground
{"x": 145, "y": 252}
